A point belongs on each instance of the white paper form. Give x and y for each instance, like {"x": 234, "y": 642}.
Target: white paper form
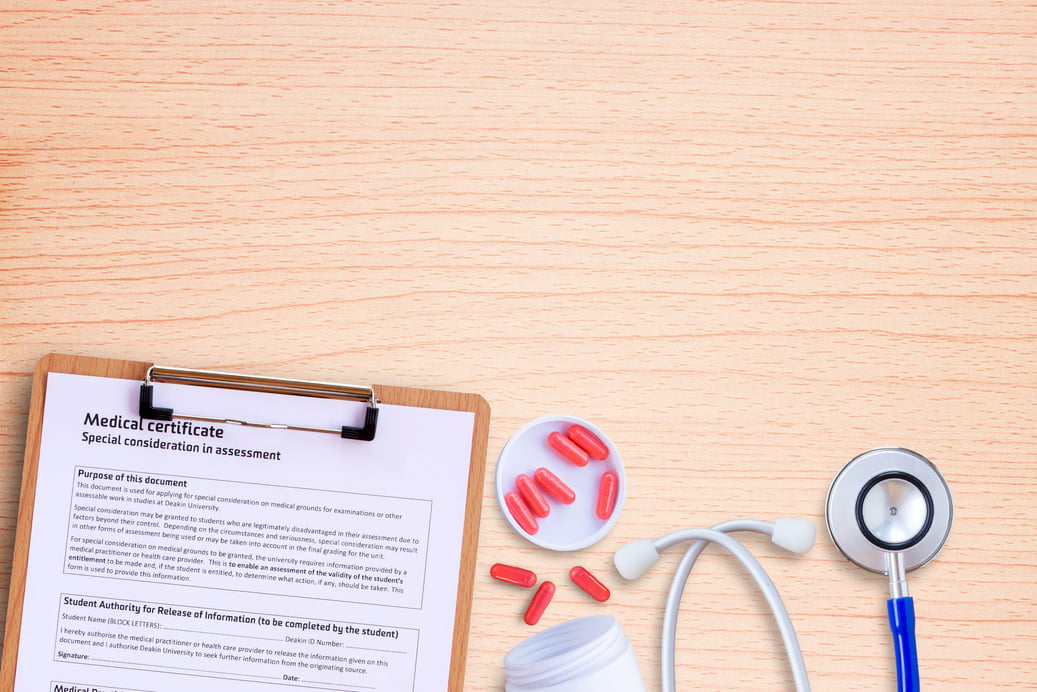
{"x": 166, "y": 555}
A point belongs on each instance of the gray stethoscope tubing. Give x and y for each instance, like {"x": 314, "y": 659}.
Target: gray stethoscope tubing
{"x": 795, "y": 535}
{"x": 770, "y": 593}
{"x": 889, "y": 511}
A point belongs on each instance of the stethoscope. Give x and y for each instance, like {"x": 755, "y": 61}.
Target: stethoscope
{"x": 889, "y": 511}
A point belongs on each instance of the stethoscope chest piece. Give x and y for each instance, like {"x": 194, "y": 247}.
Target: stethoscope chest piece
{"x": 889, "y": 500}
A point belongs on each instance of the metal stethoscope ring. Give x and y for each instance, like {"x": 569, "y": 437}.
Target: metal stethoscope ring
{"x": 889, "y": 500}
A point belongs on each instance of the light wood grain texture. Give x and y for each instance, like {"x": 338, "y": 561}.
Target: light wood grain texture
{"x": 748, "y": 239}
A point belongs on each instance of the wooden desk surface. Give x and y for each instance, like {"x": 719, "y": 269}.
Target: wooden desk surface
{"x": 748, "y": 239}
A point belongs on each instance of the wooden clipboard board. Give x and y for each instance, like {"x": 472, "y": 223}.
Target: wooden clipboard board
{"x": 136, "y": 370}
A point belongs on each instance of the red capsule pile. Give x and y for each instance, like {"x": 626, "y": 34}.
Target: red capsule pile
{"x": 531, "y": 501}
{"x": 525, "y": 578}
{"x": 578, "y": 445}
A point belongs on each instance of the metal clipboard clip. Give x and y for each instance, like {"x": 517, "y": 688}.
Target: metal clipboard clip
{"x": 252, "y": 383}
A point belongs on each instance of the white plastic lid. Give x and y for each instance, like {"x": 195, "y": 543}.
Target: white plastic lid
{"x": 589, "y": 654}
{"x": 567, "y": 527}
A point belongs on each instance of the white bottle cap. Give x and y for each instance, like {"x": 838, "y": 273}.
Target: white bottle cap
{"x": 589, "y": 654}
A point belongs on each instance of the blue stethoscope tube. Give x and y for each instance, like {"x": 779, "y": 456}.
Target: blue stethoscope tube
{"x": 902, "y": 624}
{"x": 901, "y": 611}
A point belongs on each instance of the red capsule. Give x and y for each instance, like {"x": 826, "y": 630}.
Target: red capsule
{"x": 608, "y": 489}
{"x": 589, "y": 583}
{"x": 567, "y": 448}
{"x": 513, "y": 575}
{"x": 588, "y": 442}
{"x": 554, "y": 486}
{"x": 535, "y": 499}
{"x": 520, "y": 513}
{"x": 539, "y": 604}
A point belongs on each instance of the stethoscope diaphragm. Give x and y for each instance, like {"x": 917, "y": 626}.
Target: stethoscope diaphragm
{"x": 889, "y": 500}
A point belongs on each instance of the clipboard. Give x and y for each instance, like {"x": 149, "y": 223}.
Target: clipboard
{"x": 148, "y": 374}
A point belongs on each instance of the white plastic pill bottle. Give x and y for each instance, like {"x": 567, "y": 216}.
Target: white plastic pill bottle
{"x": 589, "y": 654}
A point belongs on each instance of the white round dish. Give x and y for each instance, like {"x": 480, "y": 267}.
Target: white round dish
{"x": 567, "y": 527}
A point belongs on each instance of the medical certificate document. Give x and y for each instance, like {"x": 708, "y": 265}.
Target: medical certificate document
{"x": 177, "y": 555}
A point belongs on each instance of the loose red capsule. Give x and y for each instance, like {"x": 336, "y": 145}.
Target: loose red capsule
{"x": 539, "y": 604}
{"x": 535, "y": 499}
{"x": 520, "y": 512}
{"x": 513, "y": 575}
{"x": 567, "y": 448}
{"x": 588, "y": 442}
{"x": 589, "y": 583}
{"x": 554, "y": 486}
{"x": 608, "y": 489}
